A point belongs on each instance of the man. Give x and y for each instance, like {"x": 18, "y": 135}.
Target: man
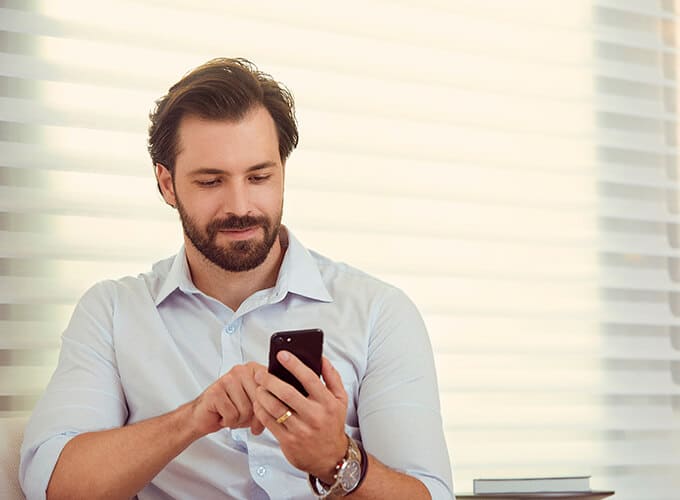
{"x": 162, "y": 390}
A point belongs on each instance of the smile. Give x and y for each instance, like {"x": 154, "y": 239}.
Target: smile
{"x": 240, "y": 234}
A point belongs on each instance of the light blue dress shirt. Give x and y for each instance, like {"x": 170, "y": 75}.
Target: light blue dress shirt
{"x": 139, "y": 347}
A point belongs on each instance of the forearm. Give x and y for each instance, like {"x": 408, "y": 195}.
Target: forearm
{"x": 117, "y": 463}
{"x": 383, "y": 482}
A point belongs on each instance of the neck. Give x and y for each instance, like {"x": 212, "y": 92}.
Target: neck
{"x": 232, "y": 288}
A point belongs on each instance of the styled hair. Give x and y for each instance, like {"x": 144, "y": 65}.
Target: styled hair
{"x": 220, "y": 89}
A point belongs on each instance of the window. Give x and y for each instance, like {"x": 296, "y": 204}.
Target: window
{"x": 511, "y": 165}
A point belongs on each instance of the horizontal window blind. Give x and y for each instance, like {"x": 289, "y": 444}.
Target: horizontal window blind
{"x": 638, "y": 222}
{"x": 511, "y": 165}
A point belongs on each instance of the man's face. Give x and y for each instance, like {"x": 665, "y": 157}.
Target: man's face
{"x": 228, "y": 188}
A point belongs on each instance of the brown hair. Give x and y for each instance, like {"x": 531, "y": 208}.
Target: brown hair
{"x": 220, "y": 89}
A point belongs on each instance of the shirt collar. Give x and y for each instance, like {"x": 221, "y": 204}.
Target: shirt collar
{"x": 299, "y": 273}
{"x": 178, "y": 276}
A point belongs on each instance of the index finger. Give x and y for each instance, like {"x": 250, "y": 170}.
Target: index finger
{"x": 249, "y": 383}
{"x": 309, "y": 380}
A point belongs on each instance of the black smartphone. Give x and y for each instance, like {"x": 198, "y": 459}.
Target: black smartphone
{"x": 307, "y": 345}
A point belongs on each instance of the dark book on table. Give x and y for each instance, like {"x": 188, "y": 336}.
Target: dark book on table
{"x": 587, "y": 495}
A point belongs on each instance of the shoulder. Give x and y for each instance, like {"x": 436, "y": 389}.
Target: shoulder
{"x": 145, "y": 284}
{"x": 341, "y": 275}
{"x": 346, "y": 281}
{"x": 101, "y": 306}
{"x": 388, "y": 311}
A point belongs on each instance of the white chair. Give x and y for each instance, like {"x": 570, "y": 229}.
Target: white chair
{"x": 11, "y": 435}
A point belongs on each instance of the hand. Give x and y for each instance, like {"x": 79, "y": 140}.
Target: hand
{"x": 228, "y": 402}
{"x": 313, "y": 439}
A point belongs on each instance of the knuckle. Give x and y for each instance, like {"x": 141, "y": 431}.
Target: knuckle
{"x": 287, "y": 441}
{"x": 229, "y": 416}
{"x": 259, "y": 411}
{"x": 304, "y": 376}
{"x": 326, "y": 411}
{"x": 238, "y": 371}
{"x": 211, "y": 392}
{"x": 315, "y": 421}
{"x": 306, "y": 433}
{"x": 287, "y": 393}
{"x": 226, "y": 380}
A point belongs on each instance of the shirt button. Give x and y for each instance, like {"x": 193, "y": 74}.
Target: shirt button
{"x": 261, "y": 471}
{"x": 230, "y": 329}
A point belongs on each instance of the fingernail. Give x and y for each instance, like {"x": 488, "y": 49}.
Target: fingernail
{"x": 258, "y": 376}
{"x": 284, "y": 356}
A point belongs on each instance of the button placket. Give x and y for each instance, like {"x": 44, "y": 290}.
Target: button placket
{"x": 232, "y": 326}
{"x": 230, "y": 340}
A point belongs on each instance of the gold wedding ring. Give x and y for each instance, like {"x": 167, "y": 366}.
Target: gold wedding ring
{"x": 284, "y": 417}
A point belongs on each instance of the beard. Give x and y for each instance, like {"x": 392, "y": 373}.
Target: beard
{"x": 236, "y": 256}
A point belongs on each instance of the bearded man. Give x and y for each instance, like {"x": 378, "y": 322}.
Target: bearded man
{"x": 161, "y": 390}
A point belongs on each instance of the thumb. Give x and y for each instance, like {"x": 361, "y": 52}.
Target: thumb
{"x": 333, "y": 380}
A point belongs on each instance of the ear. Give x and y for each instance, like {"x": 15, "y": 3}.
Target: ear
{"x": 164, "y": 179}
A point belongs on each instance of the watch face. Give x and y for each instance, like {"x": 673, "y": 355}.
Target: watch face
{"x": 350, "y": 475}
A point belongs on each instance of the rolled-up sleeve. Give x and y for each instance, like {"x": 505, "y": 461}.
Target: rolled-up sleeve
{"x": 398, "y": 407}
{"x": 84, "y": 393}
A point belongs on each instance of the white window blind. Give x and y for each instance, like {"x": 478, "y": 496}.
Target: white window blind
{"x": 512, "y": 165}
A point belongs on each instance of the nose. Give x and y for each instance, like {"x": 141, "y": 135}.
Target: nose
{"x": 236, "y": 199}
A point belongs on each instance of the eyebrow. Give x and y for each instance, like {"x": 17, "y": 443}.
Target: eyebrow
{"x": 219, "y": 171}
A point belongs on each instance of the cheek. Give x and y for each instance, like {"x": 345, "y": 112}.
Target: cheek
{"x": 201, "y": 207}
{"x": 271, "y": 201}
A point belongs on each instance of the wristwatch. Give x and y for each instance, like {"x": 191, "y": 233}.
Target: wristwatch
{"x": 349, "y": 473}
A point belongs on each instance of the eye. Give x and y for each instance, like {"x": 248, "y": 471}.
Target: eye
{"x": 256, "y": 179}
{"x": 208, "y": 183}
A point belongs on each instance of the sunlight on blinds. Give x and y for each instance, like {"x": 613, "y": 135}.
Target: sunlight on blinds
{"x": 511, "y": 165}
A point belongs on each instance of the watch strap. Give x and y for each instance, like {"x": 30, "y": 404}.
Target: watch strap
{"x": 354, "y": 452}
{"x": 364, "y": 464}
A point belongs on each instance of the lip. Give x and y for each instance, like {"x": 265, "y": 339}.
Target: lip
{"x": 240, "y": 234}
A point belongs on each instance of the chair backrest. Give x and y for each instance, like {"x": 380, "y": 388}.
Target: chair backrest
{"x": 11, "y": 435}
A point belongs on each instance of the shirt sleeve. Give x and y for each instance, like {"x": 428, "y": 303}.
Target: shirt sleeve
{"x": 84, "y": 393}
{"x": 398, "y": 406}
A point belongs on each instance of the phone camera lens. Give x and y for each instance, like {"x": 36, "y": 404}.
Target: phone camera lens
{"x": 288, "y": 339}
{"x": 279, "y": 339}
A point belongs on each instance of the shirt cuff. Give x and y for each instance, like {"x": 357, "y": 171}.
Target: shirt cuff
{"x": 36, "y": 470}
{"x": 437, "y": 488}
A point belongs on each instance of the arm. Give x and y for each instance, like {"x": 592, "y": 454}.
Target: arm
{"x": 383, "y": 482}
{"x": 76, "y": 435}
{"x": 117, "y": 463}
{"x": 398, "y": 404}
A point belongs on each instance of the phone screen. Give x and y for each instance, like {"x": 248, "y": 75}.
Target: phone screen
{"x": 307, "y": 345}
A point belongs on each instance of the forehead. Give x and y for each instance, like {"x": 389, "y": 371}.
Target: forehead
{"x": 227, "y": 144}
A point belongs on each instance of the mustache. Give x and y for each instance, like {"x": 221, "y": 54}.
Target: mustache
{"x": 235, "y": 222}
